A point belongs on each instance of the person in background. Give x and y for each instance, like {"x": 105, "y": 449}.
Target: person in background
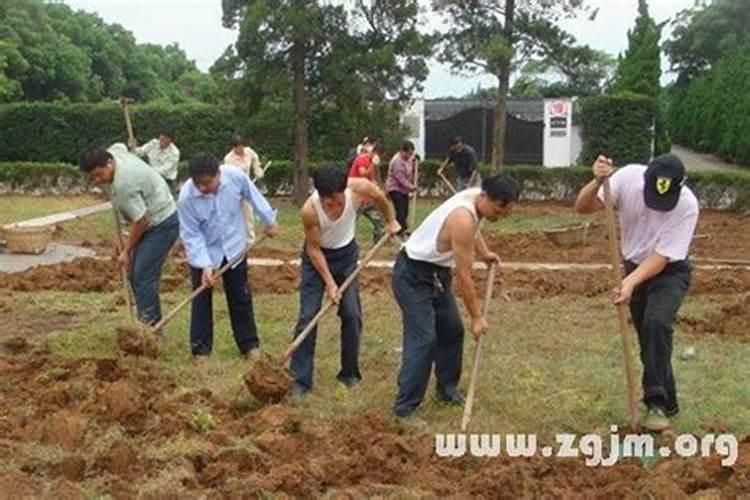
{"x": 246, "y": 159}
{"x": 163, "y": 155}
{"x": 464, "y": 158}
{"x": 400, "y": 182}
{"x": 364, "y": 167}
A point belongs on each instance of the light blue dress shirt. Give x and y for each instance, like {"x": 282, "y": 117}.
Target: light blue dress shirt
{"x": 212, "y": 226}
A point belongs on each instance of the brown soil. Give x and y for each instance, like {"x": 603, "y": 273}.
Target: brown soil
{"x": 83, "y": 274}
{"x": 267, "y": 380}
{"x": 732, "y": 320}
{"x": 137, "y": 341}
{"x": 354, "y": 456}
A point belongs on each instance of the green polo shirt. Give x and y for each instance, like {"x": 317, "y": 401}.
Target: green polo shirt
{"x": 138, "y": 190}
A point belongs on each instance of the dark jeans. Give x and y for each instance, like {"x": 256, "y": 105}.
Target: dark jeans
{"x": 240, "y": 303}
{"x": 146, "y": 263}
{"x": 654, "y": 306}
{"x": 401, "y": 205}
{"x": 371, "y": 213}
{"x": 433, "y": 331}
{"x": 341, "y": 263}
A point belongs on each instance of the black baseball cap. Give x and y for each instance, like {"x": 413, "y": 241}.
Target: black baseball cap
{"x": 665, "y": 176}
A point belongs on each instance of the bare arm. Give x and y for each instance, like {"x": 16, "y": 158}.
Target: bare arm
{"x": 588, "y": 201}
{"x": 363, "y": 188}
{"x": 461, "y": 229}
{"x": 652, "y": 266}
{"x": 311, "y": 227}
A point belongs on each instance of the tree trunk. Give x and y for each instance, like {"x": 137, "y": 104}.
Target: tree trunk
{"x": 503, "y": 79}
{"x": 301, "y": 175}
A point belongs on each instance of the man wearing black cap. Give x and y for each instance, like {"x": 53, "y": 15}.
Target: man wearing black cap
{"x": 658, "y": 215}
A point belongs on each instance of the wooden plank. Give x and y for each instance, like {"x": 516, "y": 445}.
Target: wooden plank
{"x": 64, "y": 216}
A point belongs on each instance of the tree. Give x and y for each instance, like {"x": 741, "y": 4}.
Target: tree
{"x": 639, "y": 70}
{"x": 489, "y": 36}
{"x": 574, "y": 71}
{"x": 50, "y": 52}
{"x": 702, "y": 36}
{"x": 334, "y": 58}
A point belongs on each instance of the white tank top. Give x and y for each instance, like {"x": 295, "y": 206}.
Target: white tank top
{"x": 340, "y": 232}
{"x": 423, "y": 243}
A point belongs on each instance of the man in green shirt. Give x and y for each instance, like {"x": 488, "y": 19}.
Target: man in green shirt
{"x": 143, "y": 198}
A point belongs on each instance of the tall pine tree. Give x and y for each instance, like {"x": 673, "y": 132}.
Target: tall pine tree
{"x": 639, "y": 70}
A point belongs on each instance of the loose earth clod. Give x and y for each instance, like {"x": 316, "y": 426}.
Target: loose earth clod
{"x": 267, "y": 380}
{"x": 136, "y": 341}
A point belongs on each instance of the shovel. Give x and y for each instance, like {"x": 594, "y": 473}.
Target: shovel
{"x": 128, "y": 124}
{"x": 124, "y": 272}
{"x": 466, "y": 418}
{"x": 267, "y": 380}
{"x": 621, "y": 308}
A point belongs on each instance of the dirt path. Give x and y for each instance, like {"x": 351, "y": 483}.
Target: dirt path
{"x": 700, "y": 161}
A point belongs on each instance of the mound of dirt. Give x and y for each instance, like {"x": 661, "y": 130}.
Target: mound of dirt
{"x": 733, "y": 321}
{"x": 267, "y": 380}
{"x": 133, "y": 340}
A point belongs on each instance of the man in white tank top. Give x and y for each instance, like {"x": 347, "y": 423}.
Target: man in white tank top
{"x": 433, "y": 331}
{"x": 657, "y": 216}
{"x": 330, "y": 254}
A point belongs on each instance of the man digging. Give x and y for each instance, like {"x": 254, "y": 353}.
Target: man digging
{"x": 214, "y": 232}
{"x": 329, "y": 255}
{"x": 141, "y": 196}
{"x": 658, "y": 215}
{"x": 433, "y": 331}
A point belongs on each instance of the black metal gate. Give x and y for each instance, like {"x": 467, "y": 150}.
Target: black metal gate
{"x": 523, "y": 139}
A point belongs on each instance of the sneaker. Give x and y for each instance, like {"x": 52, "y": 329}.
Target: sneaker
{"x": 655, "y": 420}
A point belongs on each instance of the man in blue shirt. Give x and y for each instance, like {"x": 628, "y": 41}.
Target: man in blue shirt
{"x": 213, "y": 230}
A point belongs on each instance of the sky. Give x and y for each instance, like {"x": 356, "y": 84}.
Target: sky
{"x": 196, "y": 26}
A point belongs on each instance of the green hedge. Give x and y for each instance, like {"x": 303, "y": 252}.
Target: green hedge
{"x": 619, "y": 126}
{"x": 715, "y": 189}
{"x": 58, "y": 132}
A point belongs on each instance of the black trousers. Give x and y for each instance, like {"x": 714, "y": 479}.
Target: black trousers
{"x": 654, "y": 306}
{"x": 240, "y": 302}
{"x": 433, "y": 331}
{"x": 401, "y": 205}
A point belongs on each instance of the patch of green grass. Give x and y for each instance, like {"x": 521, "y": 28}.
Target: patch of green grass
{"x": 15, "y": 207}
{"x": 98, "y": 227}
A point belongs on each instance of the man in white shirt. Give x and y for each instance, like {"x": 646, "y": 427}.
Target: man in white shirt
{"x": 162, "y": 155}
{"x": 422, "y": 285}
{"x": 658, "y": 215}
{"x": 244, "y": 157}
{"x": 329, "y": 256}
{"x": 247, "y": 160}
